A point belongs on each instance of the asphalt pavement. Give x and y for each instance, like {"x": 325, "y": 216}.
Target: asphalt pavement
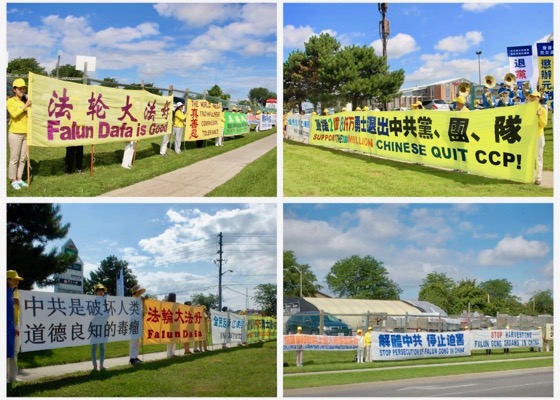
{"x": 200, "y": 178}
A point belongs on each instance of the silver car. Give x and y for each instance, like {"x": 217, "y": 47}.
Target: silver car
{"x": 437, "y": 105}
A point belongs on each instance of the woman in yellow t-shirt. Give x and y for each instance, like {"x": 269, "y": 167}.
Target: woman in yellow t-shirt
{"x": 17, "y": 106}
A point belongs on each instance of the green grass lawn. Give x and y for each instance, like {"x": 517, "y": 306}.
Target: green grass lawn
{"x": 48, "y": 178}
{"x": 336, "y": 361}
{"x": 235, "y": 372}
{"x": 258, "y": 179}
{"x": 314, "y": 171}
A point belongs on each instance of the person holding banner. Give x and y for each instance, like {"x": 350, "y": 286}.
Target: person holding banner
{"x": 299, "y": 352}
{"x": 134, "y": 347}
{"x": 179, "y": 122}
{"x": 99, "y": 291}
{"x": 219, "y": 141}
{"x": 461, "y": 104}
{"x": 128, "y": 155}
{"x": 367, "y": 344}
{"x": 187, "y": 344}
{"x": 361, "y": 346}
{"x": 17, "y": 106}
{"x": 12, "y": 325}
{"x": 542, "y": 115}
{"x": 165, "y": 138}
{"x": 74, "y": 156}
{"x": 172, "y": 298}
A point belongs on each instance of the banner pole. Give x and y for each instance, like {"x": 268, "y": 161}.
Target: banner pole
{"x": 91, "y": 157}
{"x": 134, "y": 155}
{"x": 28, "y": 165}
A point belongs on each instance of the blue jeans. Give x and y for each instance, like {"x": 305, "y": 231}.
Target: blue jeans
{"x": 94, "y": 355}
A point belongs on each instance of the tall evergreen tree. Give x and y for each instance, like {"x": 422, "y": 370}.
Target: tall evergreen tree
{"x": 29, "y": 229}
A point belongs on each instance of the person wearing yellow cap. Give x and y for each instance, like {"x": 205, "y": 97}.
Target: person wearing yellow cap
{"x": 299, "y": 351}
{"x": 416, "y": 106}
{"x": 461, "y": 104}
{"x": 367, "y": 343}
{"x": 12, "y": 325}
{"x": 542, "y": 121}
{"x": 219, "y": 141}
{"x": 99, "y": 290}
{"x": 361, "y": 345}
{"x": 17, "y": 106}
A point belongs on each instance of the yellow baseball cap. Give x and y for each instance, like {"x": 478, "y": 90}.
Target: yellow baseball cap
{"x": 19, "y": 83}
{"x": 14, "y": 275}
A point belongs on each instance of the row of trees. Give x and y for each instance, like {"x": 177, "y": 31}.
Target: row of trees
{"x": 358, "y": 277}
{"x": 30, "y": 227}
{"x": 325, "y": 72}
{"x": 22, "y": 66}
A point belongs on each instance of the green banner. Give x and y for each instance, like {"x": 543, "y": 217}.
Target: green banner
{"x": 261, "y": 328}
{"x": 236, "y": 124}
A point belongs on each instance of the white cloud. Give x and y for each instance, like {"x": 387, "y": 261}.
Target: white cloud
{"x": 198, "y": 15}
{"x": 511, "y": 250}
{"x": 540, "y": 228}
{"x": 461, "y": 43}
{"x": 548, "y": 270}
{"x": 478, "y": 7}
{"x": 398, "y": 46}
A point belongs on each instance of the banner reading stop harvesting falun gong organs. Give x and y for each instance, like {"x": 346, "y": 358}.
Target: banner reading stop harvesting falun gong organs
{"x": 72, "y": 114}
{"x": 235, "y": 124}
{"x": 261, "y": 328}
{"x": 498, "y": 142}
{"x": 166, "y": 322}
{"x": 228, "y": 327}
{"x": 203, "y": 120}
{"x": 505, "y": 339}
{"x": 54, "y": 320}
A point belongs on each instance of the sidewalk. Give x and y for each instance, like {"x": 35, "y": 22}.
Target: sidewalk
{"x": 33, "y": 374}
{"x": 547, "y": 179}
{"x": 200, "y": 178}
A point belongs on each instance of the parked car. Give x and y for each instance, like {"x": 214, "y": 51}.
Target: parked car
{"x": 310, "y": 325}
{"x": 434, "y": 104}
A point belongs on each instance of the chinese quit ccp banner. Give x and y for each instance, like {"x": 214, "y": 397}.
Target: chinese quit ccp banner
{"x": 319, "y": 342}
{"x": 236, "y": 124}
{"x": 227, "y": 327}
{"x": 505, "y": 339}
{"x": 55, "y": 320}
{"x": 203, "y": 120}
{"x": 498, "y": 142}
{"x": 72, "y": 114}
{"x": 166, "y": 322}
{"x": 261, "y": 328}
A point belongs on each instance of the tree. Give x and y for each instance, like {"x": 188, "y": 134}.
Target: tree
{"x": 467, "y": 292}
{"x": 67, "y": 71}
{"x": 499, "y": 297}
{"x": 29, "y": 228}
{"x": 437, "y": 288}
{"x": 358, "y": 277}
{"x": 109, "y": 82}
{"x": 107, "y": 275}
{"x": 149, "y": 87}
{"x": 259, "y": 95}
{"x": 292, "y": 277}
{"x": 22, "y": 66}
{"x": 356, "y": 74}
{"x": 541, "y": 303}
{"x": 266, "y": 297}
{"x": 216, "y": 91}
{"x": 210, "y": 301}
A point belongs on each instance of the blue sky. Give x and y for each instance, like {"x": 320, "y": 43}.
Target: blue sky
{"x": 430, "y": 41}
{"x": 194, "y": 46}
{"x": 464, "y": 241}
{"x": 171, "y": 247}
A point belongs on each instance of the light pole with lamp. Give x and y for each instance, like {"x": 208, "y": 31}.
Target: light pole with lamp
{"x": 478, "y": 53}
{"x": 220, "y": 287}
{"x": 300, "y": 280}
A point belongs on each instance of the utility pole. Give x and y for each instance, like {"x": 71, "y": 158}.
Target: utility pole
{"x": 220, "y": 261}
{"x": 384, "y": 27}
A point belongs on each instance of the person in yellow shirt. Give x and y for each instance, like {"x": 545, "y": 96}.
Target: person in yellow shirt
{"x": 219, "y": 141}
{"x": 299, "y": 351}
{"x": 542, "y": 117}
{"x": 179, "y": 122}
{"x": 461, "y": 104}
{"x": 17, "y": 106}
{"x": 367, "y": 344}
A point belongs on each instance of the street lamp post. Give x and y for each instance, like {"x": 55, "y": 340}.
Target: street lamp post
{"x": 478, "y": 53}
{"x": 220, "y": 288}
{"x": 300, "y": 280}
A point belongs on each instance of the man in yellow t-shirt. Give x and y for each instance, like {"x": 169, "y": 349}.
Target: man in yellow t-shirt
{"x": 17, "y": 106}
{"x": 179, "y": 122}
{"x": 367, "y": 344}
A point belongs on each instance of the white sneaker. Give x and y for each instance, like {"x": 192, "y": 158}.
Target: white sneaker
{"x": 16, "y": 185}
{"x": 22, "y": 183}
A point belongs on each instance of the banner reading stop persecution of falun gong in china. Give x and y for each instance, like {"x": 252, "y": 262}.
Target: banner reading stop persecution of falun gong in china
{"x": 166, "y": 322}
{"x": 72, "y": 114}
{"x": 228, "y": 327}
{"x": 498, "y": 142}
{"x": 203, "y": 120}
{"x": 55, "y": 320}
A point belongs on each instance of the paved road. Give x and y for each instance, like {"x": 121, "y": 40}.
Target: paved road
{"x": 532, "y": 382}
{"x": 200, "y": 178}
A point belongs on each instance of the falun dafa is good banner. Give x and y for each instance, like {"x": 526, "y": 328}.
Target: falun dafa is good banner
{"x": 72, "y": 114}
{"x": 498, "y": 142}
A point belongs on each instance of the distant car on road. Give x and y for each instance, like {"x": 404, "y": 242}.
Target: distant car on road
{"x": 310, "y": 325}
{"x": 435, "y": 104}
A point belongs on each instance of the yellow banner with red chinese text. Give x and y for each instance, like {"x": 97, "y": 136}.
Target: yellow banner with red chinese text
{"x": 498, "y": 143}
{"x": 72, "y": 114}
{"x": 166, "y": 322}
{"x": 204, "y": 120}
